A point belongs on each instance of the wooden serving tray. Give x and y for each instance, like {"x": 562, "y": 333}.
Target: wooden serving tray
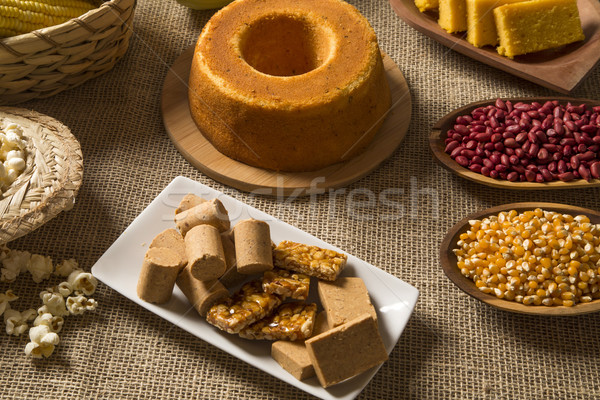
{"x": 560, "y": 69}
{"x": 203, "y": 155}
{"x": 437, "y": 147}
{"x": 448, "y": 261}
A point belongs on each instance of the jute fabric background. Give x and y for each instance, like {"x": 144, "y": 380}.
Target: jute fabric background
{"x": 453, "y": 347}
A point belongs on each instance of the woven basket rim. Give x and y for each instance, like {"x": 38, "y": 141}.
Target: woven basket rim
{"x": 65, "y": 181}
{"x": 89, "y": 16}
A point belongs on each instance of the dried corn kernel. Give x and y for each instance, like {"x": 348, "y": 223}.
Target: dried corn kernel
{"x": 541, "y": 257}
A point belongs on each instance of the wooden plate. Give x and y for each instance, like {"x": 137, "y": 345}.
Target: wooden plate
{"x": 437, "y": 146}
{"x": 448, "y": 261}
{"x": 560, "y": 69}
{"x": 200, "y": 153}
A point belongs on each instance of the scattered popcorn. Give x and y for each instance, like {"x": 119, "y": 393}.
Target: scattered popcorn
{"x": 53, "y": 322}
{"x": 83, "y": 282}
{"x": 64, "y": 288}
{"x": 40, "y": 267}
{"x": 16, "y": 322}
{"x": 5, "y": 299}
{"x": 14, "y": 262}
{"x": 79, "y": 304}
{"x": 55, "y": 303}
{"x": 66, "y": 267}
{"x": 43, "y": 342}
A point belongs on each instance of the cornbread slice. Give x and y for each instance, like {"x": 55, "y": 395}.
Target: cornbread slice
{"x": 536, "y": 25}
{"x": 344, "y": 300}
{"x": 480, "y": 20}
{"x": 453, "y": 15}
{"x": 426, "y": 5}
{"x": 293, "y": 356}
{"x": 346, "y": 351}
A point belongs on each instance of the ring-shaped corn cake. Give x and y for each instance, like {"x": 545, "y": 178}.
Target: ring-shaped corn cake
{"x": 288, "y": 85}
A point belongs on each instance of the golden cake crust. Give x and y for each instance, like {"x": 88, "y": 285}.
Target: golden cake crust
{"x": 318, "y": 104}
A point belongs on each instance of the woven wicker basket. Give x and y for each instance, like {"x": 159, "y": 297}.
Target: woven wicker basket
{"x": 51, "y": 179}
{"x": 47, "y": 61}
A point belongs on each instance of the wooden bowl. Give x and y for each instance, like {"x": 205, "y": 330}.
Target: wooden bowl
{"x": 437, "y": 146}
{"x": 560, "y": 69}
{"x": 449, "y": 260}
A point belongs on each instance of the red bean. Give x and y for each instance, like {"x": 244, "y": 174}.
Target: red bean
{"x": 504, "y": 159}
{"x": 574, "y": 162}
{"x": 477, "y": 160}
{"x": 478, "y": 128}
{"x": 566, "y": 177}
{"x": 589, "y": 129}
{"x": 584, "y": 173}
{"x": 494, "y": 174}
{"x": 499, "y": 146}
{"x": 539, "y": 178}
{"x": 500, "y": 104}
{"x": 519, "y": 152}
{"x": 543, "y": 155}
{"x": 467, "y": 153}
{"x": 595, "y": 169}
{"x": 587, "y": 156}
{"x": 462, "y": 129}
{"x": 577, "y": 137}
{"x": 561, "y": 166}
{"x": 510, "y": 142}
{"x": 496, "y": 137}
{"x": 526, "y": 146}
{"x": 451, "y": 146}
{"x": 456, "y": 152}
{"x": 551, "y": 132}
{"x": 471, "y": 144}
{"x": 479, "y": 151}
{"x": 508, "y": 151}
{"x": 485, "y": 171}
{"x": 489, "y": 146}
{"x": 595, "y": 148}
{"x": 495, "y": 158}
{"x": 552, "y": 148}
{"x": 522, "y": 107}
{"x": 533, "y": 149}
{"x": 546, "y": 175}
{"x": 541, "y": 136}
{"x": 582, "y": 148}
{"x": 552, "y": 166}
{"x": 514, "y": 129}
{"x": 557, "y": 156}
{"x": 500, "y": 167}
{"x": 462, "y": 160}
{"x": 512, "y": 176}
{"x": 530, "y": 175}
{"x": 532, "y": 137}
{"x": 514, "y": 160}
{"x": 558, "y": 127}
{"x": 475, "y": 167}
{"x": 568, "y": 141}
{"x": 547, "y": 122}
{"x": 488, "y": 163}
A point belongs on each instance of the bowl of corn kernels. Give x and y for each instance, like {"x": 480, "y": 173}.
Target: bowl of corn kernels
{"x": 531, "y": 258}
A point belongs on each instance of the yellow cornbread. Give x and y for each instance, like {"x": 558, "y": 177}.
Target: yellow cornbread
{"x": 288, "y": 85}
{"x": 453, "y": 15}
{"x": 537, "y": 25}
{"x": 480, "y": 19}
{"x": 426, "y": 5}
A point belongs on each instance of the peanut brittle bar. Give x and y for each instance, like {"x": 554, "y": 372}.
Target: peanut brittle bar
{"x": 309, "y": 260}
{"x": 286, "y": 283}
{"x": 291, "y": 321}
{"x": 247, "y": 306}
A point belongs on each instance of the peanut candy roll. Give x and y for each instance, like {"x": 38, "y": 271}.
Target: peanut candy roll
{"x": 309, "y": 260}
{"x": 245, "y": 307}
{"x": 286, "y": 284}
{"x": 291, "y": 321}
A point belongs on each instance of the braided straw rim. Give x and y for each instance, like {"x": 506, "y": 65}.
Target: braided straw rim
{"x": 51, "y": 179}
{"x": 50, "y": 60}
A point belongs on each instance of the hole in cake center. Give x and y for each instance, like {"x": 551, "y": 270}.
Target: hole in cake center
{"x": 285, "y": 45}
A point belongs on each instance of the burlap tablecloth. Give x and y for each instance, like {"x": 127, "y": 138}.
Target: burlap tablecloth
{"x": 453, "y": 347}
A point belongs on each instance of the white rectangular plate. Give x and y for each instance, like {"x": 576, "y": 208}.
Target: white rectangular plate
{"x": 120, "y": 265}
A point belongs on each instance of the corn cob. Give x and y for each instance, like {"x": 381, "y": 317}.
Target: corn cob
{"x": 20, "y": 16}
